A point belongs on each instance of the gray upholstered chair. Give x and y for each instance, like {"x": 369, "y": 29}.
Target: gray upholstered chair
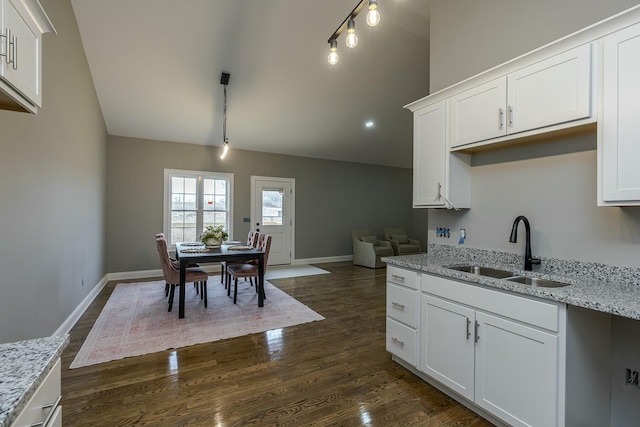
{"x": 367, "y": 249}
{"x": 400, "y": 242}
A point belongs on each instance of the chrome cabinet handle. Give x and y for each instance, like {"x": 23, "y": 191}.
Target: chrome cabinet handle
{"x": 400, "y": 306}
{"x": 500, "y": 117}
{"x": 510, "y": 116}
{"x": 476, "y": 332}
{"x": 46, "y": 419}
{"x": 468, "y": 328}
{"x": 15, "y": 52}
{"x": 397, "y": 341}
{"x": 395, "y": 276}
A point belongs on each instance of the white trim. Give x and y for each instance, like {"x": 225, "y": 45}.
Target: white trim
{"x": 166, "y": 208}
{"x": 70, "y": 321}
{"x": 291, "y": 181}
{"x": 321, "y": 260}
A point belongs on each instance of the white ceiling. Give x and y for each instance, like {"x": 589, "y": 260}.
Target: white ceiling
{"x": 156, "y": 66}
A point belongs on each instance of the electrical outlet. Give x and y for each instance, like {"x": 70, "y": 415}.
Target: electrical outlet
{"x": 631, "y": 377}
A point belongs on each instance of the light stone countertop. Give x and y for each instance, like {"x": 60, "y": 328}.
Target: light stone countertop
{"x": 600, "y": 287}
{"x": 23, "y": 367}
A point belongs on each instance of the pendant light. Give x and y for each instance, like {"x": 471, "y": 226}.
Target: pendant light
{"x": 352, "y": 37}
{"x": 224, "y": 80}
{"x": 373, "y": 16}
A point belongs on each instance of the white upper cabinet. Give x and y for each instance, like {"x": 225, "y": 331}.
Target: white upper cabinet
{"x": 549, "y": 92}
{"x": 22, "y": 23}
{"x": 619, "y": 131}
{"x": 479, "y": 113}
{"x": 440, "y": 179}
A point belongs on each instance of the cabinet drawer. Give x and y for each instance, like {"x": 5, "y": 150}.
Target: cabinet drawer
{"x": 37, "y": 409}
{"x": 402, "y": 341}
{"x": 402, "y": 277}
{"x": 402, "y": 304}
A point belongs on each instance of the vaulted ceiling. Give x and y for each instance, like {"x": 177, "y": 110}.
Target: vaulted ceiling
{"x": 156, "y": 67}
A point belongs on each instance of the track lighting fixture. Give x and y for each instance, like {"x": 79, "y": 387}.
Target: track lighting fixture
{"x": 224, "y": 80}
{"x": 373, "y": 16}
{"x": 333, "y": 52}
{"x": 352, "y": 37}
{"x": 349, "y": 24}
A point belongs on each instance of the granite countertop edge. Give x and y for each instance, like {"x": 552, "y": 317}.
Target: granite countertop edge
{"x": 23, "y": 367}
{"x": 621, "y": 299}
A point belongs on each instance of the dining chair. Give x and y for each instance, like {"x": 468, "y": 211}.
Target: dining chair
{"x": 252, "y": 240}
{"x": 172, "y": 275}
{"x": 176, "y": 264}
{"x": 249, "y": 270}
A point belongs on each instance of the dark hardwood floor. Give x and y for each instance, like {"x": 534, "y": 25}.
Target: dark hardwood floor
{"x": 332, "y": 372}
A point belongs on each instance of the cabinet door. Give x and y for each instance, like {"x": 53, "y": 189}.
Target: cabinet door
{"x": 479, "y": 113}
{"x": 23, "y": 52}
{"x": 429, "y": 149}
{"x": 516, "y": 375}
{"x": 620, "y": 147}
{"x": 447, "y": 344}
{"x": 549, "y": 92}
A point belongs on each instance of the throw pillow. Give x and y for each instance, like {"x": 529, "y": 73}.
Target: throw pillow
{"x": 400, "y": 238}
{"x": 370, "y": 239}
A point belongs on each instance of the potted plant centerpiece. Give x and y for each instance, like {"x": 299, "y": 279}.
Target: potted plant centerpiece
{"x": 214, "y": 236}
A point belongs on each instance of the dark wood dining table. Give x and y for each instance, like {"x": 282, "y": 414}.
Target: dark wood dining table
{"x": 223, "y": 253}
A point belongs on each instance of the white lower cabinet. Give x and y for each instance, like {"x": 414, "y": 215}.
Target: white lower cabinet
{"x": 402, "y": 314}
{"x": 516, "y": 371}
{"x": 43, "y": 409}
{"x": 506, "y": 368}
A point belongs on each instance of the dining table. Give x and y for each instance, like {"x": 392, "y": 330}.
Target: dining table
{"x": 189, "y": 253}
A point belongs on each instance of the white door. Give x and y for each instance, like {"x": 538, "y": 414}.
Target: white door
{"x": 429, "y": 151}
{"x": 516, "y": 372}
{"x": 549, "y": 92}
{"x": 447, "y": 341}
{"x": 272, "y": 212}
{"x": 619, "y": 148}
{"x": 24, "y": 52}
{"x": 479, "y": 113}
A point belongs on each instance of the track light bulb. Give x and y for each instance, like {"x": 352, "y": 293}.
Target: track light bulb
{"x": 373, "y": 16}
{"x": 333, "y": 52}
{"x": 352, "y": 38}
{"x": 225, "y": 149}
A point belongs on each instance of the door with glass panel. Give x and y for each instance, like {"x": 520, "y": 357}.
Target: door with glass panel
{"x": 272, "y": 213}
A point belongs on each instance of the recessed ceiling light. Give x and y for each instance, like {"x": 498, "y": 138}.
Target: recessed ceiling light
{"x": 370, "y": 124}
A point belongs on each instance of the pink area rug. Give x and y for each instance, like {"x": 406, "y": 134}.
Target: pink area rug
{"x": 135, "y": 320}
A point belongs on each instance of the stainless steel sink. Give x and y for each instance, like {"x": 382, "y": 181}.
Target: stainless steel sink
{"x": 541, "y": 283}
{"x": 483, "y": 271}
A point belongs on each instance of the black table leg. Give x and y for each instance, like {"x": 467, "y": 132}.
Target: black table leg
{"x": 261, "y": 281}
{"x": 183, "y": 274}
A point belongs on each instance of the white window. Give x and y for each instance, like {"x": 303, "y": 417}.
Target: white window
{"x": 194, "y": 200}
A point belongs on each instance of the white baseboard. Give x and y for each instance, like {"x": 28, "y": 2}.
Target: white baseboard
{"x": 66, "y": 326}
{"x": 322, "y": 260}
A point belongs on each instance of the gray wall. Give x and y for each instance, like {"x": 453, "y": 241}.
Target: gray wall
{"x": 553, "y": 184}
{"x": 52, "y": 187}
{"x": 331, "y": 197}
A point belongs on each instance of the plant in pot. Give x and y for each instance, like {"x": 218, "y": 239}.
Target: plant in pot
{"x": 214, "y": 236}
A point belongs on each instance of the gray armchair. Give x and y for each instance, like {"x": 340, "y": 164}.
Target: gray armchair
{"x": 367, "y": 249}
{"x": 400, "y": 242}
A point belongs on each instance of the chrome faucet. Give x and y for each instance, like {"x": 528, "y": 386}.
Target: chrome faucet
{"x": 528, "y": 259}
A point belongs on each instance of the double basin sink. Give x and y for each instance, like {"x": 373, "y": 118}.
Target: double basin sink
{"x": 507, "y": 275}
